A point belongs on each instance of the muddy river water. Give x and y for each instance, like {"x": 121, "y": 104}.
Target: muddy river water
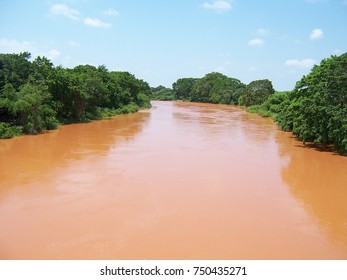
{"x": 178, "y": 181}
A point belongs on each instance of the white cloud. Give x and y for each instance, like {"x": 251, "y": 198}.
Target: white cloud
{"x": 111, "y": 12}
{"x": 73, "y": 43}
{"x": 53, "y": 54}
{"x": 217, "y": 5}
{"x": 316, "y": 34}
{"x": 263, "y": 32}
{"x": 94, "y": 22}
{"x": 220, "y": 69}
{"x": 304, "y": 63}
{"x": 256, "y": 42}
{"x": 14, "y": 46}
{"x": 64, "y": 10}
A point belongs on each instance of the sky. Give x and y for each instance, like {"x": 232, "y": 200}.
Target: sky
{"x": 161, "y": 41}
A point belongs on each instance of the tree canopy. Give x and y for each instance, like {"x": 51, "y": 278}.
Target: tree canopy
{"x": 256, "y": 92}
{"x": 36, "y": 96}
{"x": 162, "y": 93}
{"x": 212, "y": 88}
{"x": 316, "y": 110}
{"x": 183, "y": 88}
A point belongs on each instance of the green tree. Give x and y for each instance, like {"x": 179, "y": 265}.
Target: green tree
{"x": 316, "y": 110}
{"x": 202, "y": 89}
{"x": 31, "y": 107}
{"x": 226, "y": 90}
{"x": 217, "y": 88}
{"x": 35, "y": 95}
{"x": 183, "y": 88}
{"x": 272, "y": 106}
{"x": 14, "y": 69}
{"x": 256, "y": 92}
{"x": 125, "y": 89}
{"x": 42, "y": 70}
{"x": 162, "y": 93}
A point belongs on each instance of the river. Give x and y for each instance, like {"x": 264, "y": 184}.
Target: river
{"x": 177, "y": 181}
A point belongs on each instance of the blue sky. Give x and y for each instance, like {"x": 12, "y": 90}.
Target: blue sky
{"x": 160, "y": 41}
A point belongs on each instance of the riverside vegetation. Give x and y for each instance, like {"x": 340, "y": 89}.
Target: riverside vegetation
{"x": 36, "y": 96}
{"x": 314, "y": 111}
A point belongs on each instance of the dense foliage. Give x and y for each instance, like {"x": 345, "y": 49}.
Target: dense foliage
{"x": 256, "y": 92}
{"x": 217, "y": 88}
{"x": 272, "y": 106}
{"x": 36, "y": 96}
{"x": 162, "y": 93}
{"x": 212, "y": 88}
{"x": 220, "y": 89}
{"x": 316, "y": 110}
{"x": 183, "y": 88}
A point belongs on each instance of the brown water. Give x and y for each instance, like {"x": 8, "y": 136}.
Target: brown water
{"x": 178, "y": 181}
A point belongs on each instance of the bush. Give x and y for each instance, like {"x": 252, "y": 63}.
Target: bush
{"x": 7, "y": 131}
{"x": 271, "y": 107}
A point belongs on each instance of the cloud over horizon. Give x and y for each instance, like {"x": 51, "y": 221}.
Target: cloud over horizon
{"x": 217, "y": 5}
{"x": 304, "y": 63}
{"x": 73, "y": 14}
{"x": 316, "y": 34}
{"x": 94, "y": 22}
{"x": 17, "y": 46}
{"x": 256, "y": 42}
{"x": 53, "y": 54}
{"x": 263, "y": 32}
{"x": 111, "y": 12}
{"x": 64, "y": 10}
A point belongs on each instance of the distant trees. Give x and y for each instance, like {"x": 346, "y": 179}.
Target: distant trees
{"x": 36, "y": 96}
{"x": 256, "y": 92}
{"x": 220, "y": 89}
{"x": 212, "y": 88}
{"x": 162, "y": 93}
{"x": 315, "y": 110}
{"x": 217, "y": 88}
{"x": 183, "y": 88}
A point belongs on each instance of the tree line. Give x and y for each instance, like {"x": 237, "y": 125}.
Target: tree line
{"x": 216, "y": 88}
{"x": 314, "y": 111}
{"x": 36, "y": 96}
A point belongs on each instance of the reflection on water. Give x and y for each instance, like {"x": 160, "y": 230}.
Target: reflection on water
{"x": 318, "y": 180}
{"x": 22, "y": 157}
{"x": 178, "y": 181}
